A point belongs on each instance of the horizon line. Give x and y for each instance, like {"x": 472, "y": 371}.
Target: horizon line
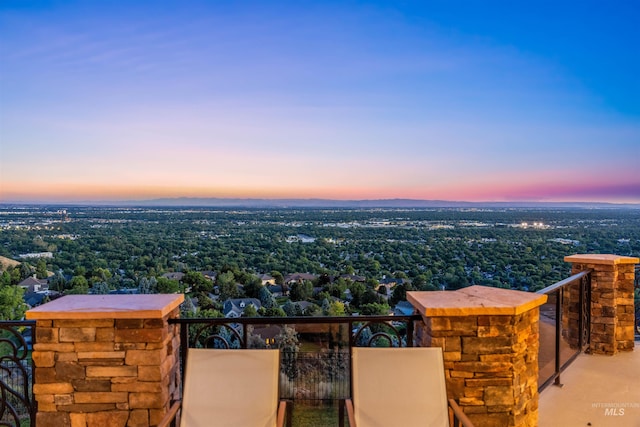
{"x": 299, "y": 201}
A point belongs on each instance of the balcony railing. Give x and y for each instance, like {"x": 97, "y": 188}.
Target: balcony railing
{"x": 564, "y": 326}
{"x": 315, "y": 350}
{"x": 636, "y": 290}
{"x": 17, "y": 407}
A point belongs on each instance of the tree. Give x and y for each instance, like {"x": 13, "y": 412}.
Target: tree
{"x": 57, "y": 282}
{"x": 187, "y": 308}
{"x": 382, "y": 290}
{"x": 41, "y": 269}
{"x": 79, "y": 285}
{"x": 12, "y": 305}
{"x": 266, "y": 298}
{"x": 336, "y": 308}
{"x": 15, "y": 275}
{"x": 100, "y": 288}
{"x": 5, "y": 278}
{"x": 357, "y": 292}
{"x": 301, "y": 291}
{"x": 100, "y": 274}
{"x": 25, "y": 270}
{"x": 288, "y": 343}
{"x": 198, "y": 283}
{"x": 375, "y": 309}
{"x": 148, "y": 286}
{"x": 291, "y": 309}
{"x": 279, "y": 278}
{"x": 227, "y": 286}
{"x": 273, "y": 312}
{"x": 167, "y": 286}
{"x": 252, "y": 287}
{"x": 255, "y": 341}
{"x": 370, "y": 297}
{"x": 80, "y": 271}
{"x": 250, "y": 311}
{"x": 312, "y": 310}
{"x": 400, "y": 292}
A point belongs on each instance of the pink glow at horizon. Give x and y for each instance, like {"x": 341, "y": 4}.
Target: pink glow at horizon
{"x": 489, "y": 192}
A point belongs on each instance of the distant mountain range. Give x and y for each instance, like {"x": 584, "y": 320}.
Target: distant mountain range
{"x": 329, "y": 203}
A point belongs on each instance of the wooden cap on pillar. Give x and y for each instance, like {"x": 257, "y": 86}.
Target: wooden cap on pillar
{"x": 474, "y": 301}
{"x": 145, "y": 306}
{"x": 606, "y": 259}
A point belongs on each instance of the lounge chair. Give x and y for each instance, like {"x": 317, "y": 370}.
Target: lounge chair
{"x": 401, "y": 387}
{"x": 229, "y": 388}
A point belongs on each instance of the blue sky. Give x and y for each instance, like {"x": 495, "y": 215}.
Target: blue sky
{"x": 429, "y": 100}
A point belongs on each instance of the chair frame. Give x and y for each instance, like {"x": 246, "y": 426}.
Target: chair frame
{"x": 457, "y": 417}
{"x": 173, "y": 415}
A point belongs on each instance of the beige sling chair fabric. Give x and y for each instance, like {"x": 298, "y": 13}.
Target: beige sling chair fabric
{"x": 399, "y": 387}
{"x": 230, "y": 388}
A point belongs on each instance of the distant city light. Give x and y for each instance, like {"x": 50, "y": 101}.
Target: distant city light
{"x": 534, "y": 225}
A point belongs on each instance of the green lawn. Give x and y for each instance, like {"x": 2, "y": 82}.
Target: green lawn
{"x": 315, "y": 416}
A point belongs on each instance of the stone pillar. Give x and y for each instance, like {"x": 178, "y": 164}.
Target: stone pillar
{"x": 105, "y": 360}
{"x": 490, "y": 341}
{"x": 612, "y": 310}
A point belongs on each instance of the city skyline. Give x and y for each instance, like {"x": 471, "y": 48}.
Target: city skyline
{"x": 348, "y": 101}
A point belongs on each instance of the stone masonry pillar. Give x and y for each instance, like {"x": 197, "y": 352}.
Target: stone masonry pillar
{"x": 490, "y": 342}
{"x": 612, "y": 308}
{"x": 105, "y": 360}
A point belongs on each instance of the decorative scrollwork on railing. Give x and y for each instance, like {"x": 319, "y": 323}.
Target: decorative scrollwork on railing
{"x": 211, "y": 335}
{"x": 371, "y": 333}
{"x": 17, "y": 403}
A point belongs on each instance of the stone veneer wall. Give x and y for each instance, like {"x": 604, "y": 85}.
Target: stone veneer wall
{"x": 491, "y": 365}
{"x": 106, "y": 371}
{"x": 612, "y": 304}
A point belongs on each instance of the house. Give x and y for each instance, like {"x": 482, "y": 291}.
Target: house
{"x": 174, "y": 276}
{"x": 235, "y": 307}
{"x": 267, "y": 334}
{"x": 267, "y": 279}
{"x": 34, "y": 299}
{"x": 353, "y": 278}
{"x": 390, "y": 282}
{"x": 299, "y": 278}
{"x": 32, "y": 284}
{"x": 403, "y": 308}
{"x": 276, "y": 290}
{"x": 386, "y": 292}
{"x": 209, "y": 274}
{"x": 304, "y": 305}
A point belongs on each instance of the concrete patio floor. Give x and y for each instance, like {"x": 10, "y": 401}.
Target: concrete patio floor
{"x": 598, "y": 391}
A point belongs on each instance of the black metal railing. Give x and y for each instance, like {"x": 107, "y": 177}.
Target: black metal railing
{"x": 564, "y": 326}
{"x": 17, "y": 406}
{"x": 315, "y": 351}
{"x": 315, "y": 365}
{"x": 636, "y": 298}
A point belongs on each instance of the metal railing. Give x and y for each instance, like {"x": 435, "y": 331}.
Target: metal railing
{"x": 564, "y": 326}
{"x": 636, "y": 291}
{"x": 17, "y": 406}
{"x": 322, "y": 344}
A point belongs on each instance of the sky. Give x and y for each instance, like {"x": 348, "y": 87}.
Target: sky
{"x": 444, "y": 100}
